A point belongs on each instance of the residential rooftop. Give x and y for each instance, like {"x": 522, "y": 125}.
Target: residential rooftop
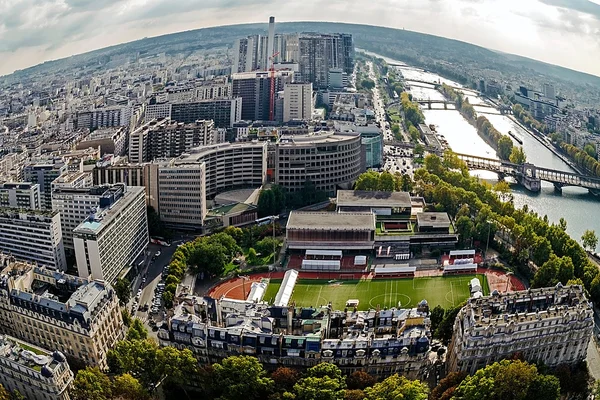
{"x": 29, "y": 356}
{"x": 433, "y": 219}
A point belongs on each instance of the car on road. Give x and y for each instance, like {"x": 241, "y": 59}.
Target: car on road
{"x": 157, "y": 254}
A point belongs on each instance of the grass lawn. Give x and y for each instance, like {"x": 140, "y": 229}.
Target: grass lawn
{"x": 446, "y": 291}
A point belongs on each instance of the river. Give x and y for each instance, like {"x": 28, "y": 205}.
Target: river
{"x": 574, "y": 204}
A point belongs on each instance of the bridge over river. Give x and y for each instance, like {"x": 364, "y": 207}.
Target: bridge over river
{"x": 530, "y": 176}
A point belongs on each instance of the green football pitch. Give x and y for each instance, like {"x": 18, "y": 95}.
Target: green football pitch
{"x": 446, "y": 291}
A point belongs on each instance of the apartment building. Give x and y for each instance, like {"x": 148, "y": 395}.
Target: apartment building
{"x": 297, "y": 102}
{"x": 229, "y": 165}
{"x": 110, "y": 140}
{"x": 224, "y": 112}
{"x": 104, "y": 117}
{"x": 80, "y": 318}
{"x": 254, "y": 88}
{"x": 166, "y": 139}
{"x": 551, "y": 325}
{"x": 319, "y": 53}
{"x": 36, "y": 373}
{"x": 20, "y": 195}
{"x": 380, "y": 342}
{"x": 112, "y": 238}
{"x": 330, "y": 160}
{"x": 33, "y": 236}
{"x": 72, "y": 180}
{"x": 44, "y": 174}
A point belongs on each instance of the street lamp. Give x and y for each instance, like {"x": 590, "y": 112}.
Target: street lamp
{"x": 487, "y": 245}
{"x": 273, "y": 219}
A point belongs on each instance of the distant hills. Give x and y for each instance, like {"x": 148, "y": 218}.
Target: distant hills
{"x": 408, "y": 46}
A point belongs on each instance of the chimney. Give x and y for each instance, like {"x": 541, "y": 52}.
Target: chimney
{"x": 271, "y": 41}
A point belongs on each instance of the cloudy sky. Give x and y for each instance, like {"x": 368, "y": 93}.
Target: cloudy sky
{"x": 563, "y": 32}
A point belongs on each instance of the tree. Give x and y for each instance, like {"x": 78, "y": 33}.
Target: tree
{"x": 354, "y": 394}
{"x": 589, "y": 240}
{"x": 360, "y": 380}
{"x": 446, "y": 326}
{"x": 313, "y": 388}
{"x": 242, "y": 378}
{"x": 126, "y": 317}
{"x": 517, "y": 155}
{"x": 128, "y": 388}
{"x": 419, "y": 150}
{"x": 386, "y": 182}
{"x": 285, "y": 378}
{"x": 209, "y": 257}
{"x": 590, "y": 150}
{"x": 547, "y": 274}
{"x": 4, "y": 394}
{"x": 505, "y": 146}
{"x": 367, "y": 181}
{"x": 266, "y": 203}
{"x": 541, "y": 250}
{"x": 406, "y": 183}
{"x": 91, "y": 384}
{"x": 508, "y": 379}
{"x": 397, "y": 387}
{"x": 464, "y": 228}
{"x": 123, "y": 290}
{"x": 436, "y": 316}
{"x": 445, "y": 389}
{"x": 137, "y": 331}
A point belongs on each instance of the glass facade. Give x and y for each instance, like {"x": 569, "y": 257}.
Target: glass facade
{"x": 373, "y": 143}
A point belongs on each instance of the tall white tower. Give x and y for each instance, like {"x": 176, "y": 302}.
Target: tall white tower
{"x": 271, "y": 41}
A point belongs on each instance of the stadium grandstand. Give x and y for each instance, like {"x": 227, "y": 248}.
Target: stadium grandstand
{"x": 257, "y": 291}
{"x": 286, "y": 289}
{"x": 395, "y": 271}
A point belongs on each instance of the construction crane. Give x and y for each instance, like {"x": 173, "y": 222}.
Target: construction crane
{"x": 272, "y": 94}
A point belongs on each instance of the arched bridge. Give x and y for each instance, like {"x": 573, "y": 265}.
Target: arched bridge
{"x": 530, "y": 175}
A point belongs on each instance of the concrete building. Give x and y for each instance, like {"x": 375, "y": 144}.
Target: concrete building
{"x": 552, "y": 326}
{"x": 330, "y": 160}
{"x": 105, "y": 117}
{"x": 254, "y": 88}
{"x": 36, "y": 373}
{"x": 110, "y": 141}
{"x": 44, "y": 174}
{"x": 229, "y": 166}
{"x": 20, "y": 195}
{"x": 379, "y": 342}
{"x": 297, "y": 102}
{"x": 224, "y": 112}
{"x": 182, "y": 195}
{"x": 319, "y": 53}
{"x": 113, "y": 237}
{"x": 33, "y": 236}
{"x": 79, "y": 318}
{"x": 117, "y": 170}
{"x": 72, "y": 180}
{"x": 218, "y": 88}
{"x": 167, "y": 139}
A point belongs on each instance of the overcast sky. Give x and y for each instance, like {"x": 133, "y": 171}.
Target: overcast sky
{"x": 563, "y": 32}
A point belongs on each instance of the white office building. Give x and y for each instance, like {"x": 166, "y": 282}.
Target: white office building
{"x": 297, "y": 102}
{"x": 33, "y": 236}
{"x": 111, "y": 239}
{"x": 20, "y": 195}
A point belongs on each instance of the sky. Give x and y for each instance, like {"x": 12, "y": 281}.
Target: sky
{"x": 562, "y": 32}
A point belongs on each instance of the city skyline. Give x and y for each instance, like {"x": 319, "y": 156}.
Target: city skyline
{"x": 562, "y": 32}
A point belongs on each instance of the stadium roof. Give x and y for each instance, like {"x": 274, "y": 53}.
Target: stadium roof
{"x": 372, "y": 199}
{"x": 331, "y": 221}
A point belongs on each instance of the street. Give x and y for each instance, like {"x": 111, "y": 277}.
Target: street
{"x": 380, "y": 113}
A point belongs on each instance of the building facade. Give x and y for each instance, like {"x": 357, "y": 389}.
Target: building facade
{"x": 33, "y": 236}
{"x": 167, "y": 139}
{"x": 79, "y": 318}
{"x": 254, "y": 88}
{"x": 297, "y": 102}
{"x": 552, "y": 326}
{"x": 229, "y": 166}
{"x": 182, "y": 195}
{"x": 44, "y": 174}
{"x": 114, "y": 236}
{"x": 224, "y": 112}
{"x": 329, "y": 160}
{"x": 32, "y": 371}
{"x": 319, "y": 53}
{"x": 20, "y": 195}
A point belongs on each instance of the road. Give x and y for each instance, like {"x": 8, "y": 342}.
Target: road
{"x": 379, "y": 107}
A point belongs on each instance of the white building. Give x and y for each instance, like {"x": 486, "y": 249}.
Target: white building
{"x": 20, "y": 195}
{"x": 552, "y": 326}
{"x": 33, "y": 236}
{"x": 297, "y": 102}
{"x": 182, "y": 194}
{"x": 111, "y": 239}
{"x": 32, "y": 371}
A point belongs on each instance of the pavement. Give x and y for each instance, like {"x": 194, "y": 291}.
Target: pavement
{"x": 379, "y": 106}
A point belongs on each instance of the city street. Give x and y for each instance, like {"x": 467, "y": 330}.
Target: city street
{"x": 379, "y": 107}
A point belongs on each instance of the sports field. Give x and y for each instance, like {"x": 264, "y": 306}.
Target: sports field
{"x": 446, "y": 291}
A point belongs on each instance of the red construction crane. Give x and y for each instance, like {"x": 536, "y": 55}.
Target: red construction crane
{"x": 272, "y": 94}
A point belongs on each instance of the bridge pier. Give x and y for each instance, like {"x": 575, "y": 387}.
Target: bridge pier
{"x": 558, "y": 187}
{"x": 530, "y": 183}
{"x": 595, "y": 192}
{"x": 445, "y": 105}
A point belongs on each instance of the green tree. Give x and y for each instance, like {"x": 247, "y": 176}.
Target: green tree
{"x": 367, "y": 181}
{"x": 541, "y": 250}
{"x": 397, "y": 387}
{"x": 386, "y": 182}
{"x": 590, "y": 150}
{"x": 436, "y": 316}
{"x": 419, "y": 150}
{"x": 313, "y": 388}
{"x": 516, "y": 380}
{"x": 517, "y": 155}
{"x": 505, "y": 146}
{"x": 446, "y": 327}
{"x": 123, "y": 290}
{"x": 91, "y": 384}
{"x": 266, "y": 203}
{"x": 464, "y": 228}
{"x": 406, "y": 183}
{"x": 4, "y": 394}
{"x": 209, "y": 257}
{"x": 242, "y": 378}
{"x": 126, "y": 317}
{"x": 589, "y": 240}
{"x": 137, "y": 331}
{"x": 547, "y": 274}
{"x": 128, "y": 388}
{"x": 155, "y": 226}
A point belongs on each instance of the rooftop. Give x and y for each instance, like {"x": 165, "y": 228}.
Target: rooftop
{"x": 97, "y": 222}
{"x": 433, "y": 219}
{"x": 321, "y": 137}
{"x": 199, "y": 153}
{"x": 331, "y": 221}
{"x": 30, "y": 356}
{"x": 373, "y": 198}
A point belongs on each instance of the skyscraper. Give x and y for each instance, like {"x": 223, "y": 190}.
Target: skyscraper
{"x": 319, "y": 53}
